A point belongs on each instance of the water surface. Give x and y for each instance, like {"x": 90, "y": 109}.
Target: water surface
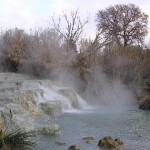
{"x": 132, "y": 126}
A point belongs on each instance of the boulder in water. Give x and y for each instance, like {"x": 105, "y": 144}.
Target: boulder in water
{"x": 74, "y": 147}
{"x": 51, "y": 129}
{"x": 108, "y": 142}
{"x": 52, "y": 108}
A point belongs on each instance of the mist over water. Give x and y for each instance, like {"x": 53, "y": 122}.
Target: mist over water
{"x": 112, "y": 93}
{"x": 101, "y": 93}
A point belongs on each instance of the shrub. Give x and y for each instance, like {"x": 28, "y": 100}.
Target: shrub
{"x": 14, "y": 138}
{"x": 14, "y": 46}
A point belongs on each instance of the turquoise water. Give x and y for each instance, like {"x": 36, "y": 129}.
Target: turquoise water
{"x": 132, "y": 126}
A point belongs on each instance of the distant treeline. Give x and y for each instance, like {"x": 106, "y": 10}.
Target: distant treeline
{"x": 51, "y": 53}
{"x": 44, "y": 54}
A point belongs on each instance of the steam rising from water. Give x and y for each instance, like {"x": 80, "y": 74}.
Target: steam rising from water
{"x": 102, "y": 93}
{"x": 109, "y": 93}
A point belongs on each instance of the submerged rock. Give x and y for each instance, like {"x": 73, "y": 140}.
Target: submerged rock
{"x": 51, "y": 129}
{"x": 88, "y": 138}
{"x": 108, "y": 142}
{"x": 51, "y": 108}
{"x": 145, "y": 102}
{"x": 60, "y": 143}
{"x": 87, "y": 141}
{"x": 74, "y": 147}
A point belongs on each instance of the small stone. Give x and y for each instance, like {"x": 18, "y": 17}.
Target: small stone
{"x": 60, "y": 143}
{"x": 74, "y": 147}
{"x": 87, "y": 141}
{"x": 88, "y": 138}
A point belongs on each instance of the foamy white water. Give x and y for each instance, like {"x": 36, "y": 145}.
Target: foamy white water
{"x": 52, "y": 94}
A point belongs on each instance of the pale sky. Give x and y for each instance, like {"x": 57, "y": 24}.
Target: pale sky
{"x": 33, "y": 14}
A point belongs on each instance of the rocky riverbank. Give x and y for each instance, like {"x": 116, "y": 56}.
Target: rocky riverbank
{"x": 27, "y": 102}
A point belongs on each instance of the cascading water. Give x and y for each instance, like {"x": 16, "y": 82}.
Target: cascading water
{"x": 53, "y": 94}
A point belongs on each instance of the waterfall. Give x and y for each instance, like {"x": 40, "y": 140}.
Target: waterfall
{"x": 69, "y": 103}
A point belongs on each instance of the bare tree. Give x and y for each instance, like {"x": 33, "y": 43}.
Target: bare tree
{"x": 124, "y": 24}
{"x": 73, "y": 29}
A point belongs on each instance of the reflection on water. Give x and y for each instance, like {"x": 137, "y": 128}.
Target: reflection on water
{"x": 132, "y": 126}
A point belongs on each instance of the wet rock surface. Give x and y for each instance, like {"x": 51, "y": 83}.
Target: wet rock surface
{"x": 109, "y": 142}
{"x": 51, "y": 108}
{"x": 17, "y": 114}
{"x": 74, "y": 147}
{"x": 52, "y": 129}
{"x": 32, "y": 105}
{"x": 20, "y": 96}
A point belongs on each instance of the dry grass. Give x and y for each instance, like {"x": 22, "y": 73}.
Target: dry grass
{"x": 12, "y": 137}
